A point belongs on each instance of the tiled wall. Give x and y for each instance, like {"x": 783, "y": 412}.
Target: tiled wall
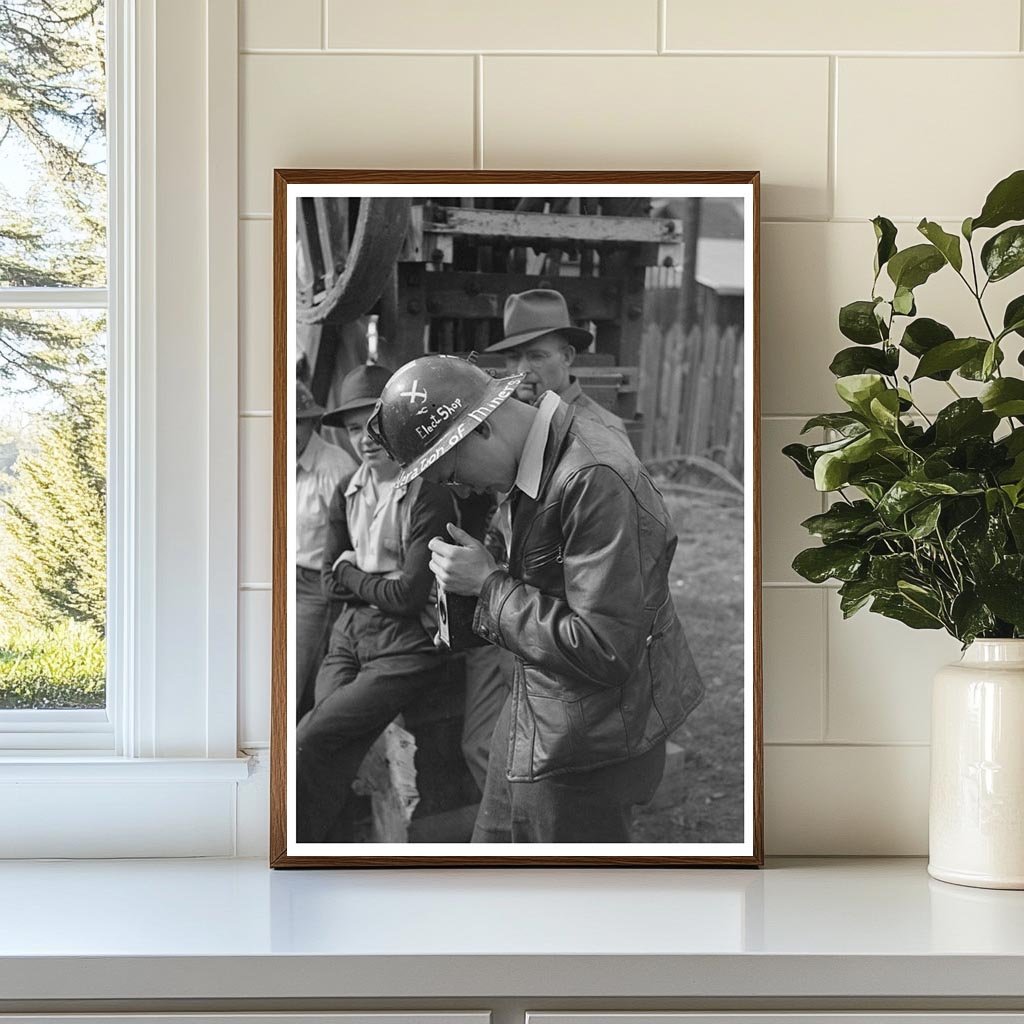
{"x": 908, "y": 109}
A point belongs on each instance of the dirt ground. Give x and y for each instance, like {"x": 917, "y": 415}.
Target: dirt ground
{"x": 700, "y": 799}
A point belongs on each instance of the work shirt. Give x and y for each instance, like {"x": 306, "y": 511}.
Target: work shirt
{"x": 396, "y": 541}
{"x": 586, "y": 407}
{"x": 318, "y": 471}
{"x": 372, "y": 509}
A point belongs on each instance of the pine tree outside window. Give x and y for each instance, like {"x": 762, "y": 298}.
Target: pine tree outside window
{"x": 53, "y": 368}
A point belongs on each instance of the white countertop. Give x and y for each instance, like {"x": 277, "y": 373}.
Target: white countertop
{"x": 235, "y": 929}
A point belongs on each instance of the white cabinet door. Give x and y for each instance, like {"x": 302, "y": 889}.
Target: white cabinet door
{"x": 932, "y": 1017}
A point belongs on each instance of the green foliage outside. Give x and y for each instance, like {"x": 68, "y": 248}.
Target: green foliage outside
{"x": 52, "y": 366}
{"x": 59, "y": 667}
{"x": 927, "y": 525}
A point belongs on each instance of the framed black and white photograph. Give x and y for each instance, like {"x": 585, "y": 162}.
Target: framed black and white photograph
{"x": 516, "y": 615}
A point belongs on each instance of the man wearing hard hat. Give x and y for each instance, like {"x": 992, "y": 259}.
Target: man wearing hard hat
{"x": 603, "y": 673}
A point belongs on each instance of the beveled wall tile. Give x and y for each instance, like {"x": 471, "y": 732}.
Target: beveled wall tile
{"x": 679, "y": 113}
{"x": 330, "y": 110}
{"x": 869, "y": 25}
{"x": 962, "y": 130}
{"x": 261, "y": 26}
{"x": 794, "y": 663}
{"x": 808, "y": 271}
{"x": 880, "y": 676}
{"x": 255, "y": 509}
{"x": 255, "y": 315}
{"x": 471, "y": 25}
{"x": 254, "y": 611}
{"x": 787, "y": 498}
{"x": 846, "y": 801}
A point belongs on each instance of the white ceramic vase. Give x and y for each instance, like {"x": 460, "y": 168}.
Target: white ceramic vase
{"x": 976, "y": 814}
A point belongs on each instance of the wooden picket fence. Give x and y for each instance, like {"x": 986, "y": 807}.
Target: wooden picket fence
{"x": 691, "y": 392}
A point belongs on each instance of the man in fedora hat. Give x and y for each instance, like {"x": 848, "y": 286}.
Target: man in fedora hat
{"x": 319, "y": 468}
{"x": 603, "y": 673}
{"x": 381, "y": 654}
{"x": 540, "y": 342}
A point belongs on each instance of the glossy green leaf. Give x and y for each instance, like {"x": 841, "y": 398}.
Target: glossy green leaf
{"x": 990, "y": 360}
{"x": 840, "y": 561}
{"x": 841, "y": 421}
{"x": 947, "y": 244}
{"x": 885, "y": 238}
{"x": 913, "y": 266}
{"x": 1005, "y": 596}
{"x": 885, "y": 409}
{"x": 907, "y": 494}
{"x": 799, "y": 455}
{"x": 974, "y": 368}
{"x": 1005, "y": 202}
{"x": 858, "y": 389}
{"x": 903, "y": 302}
{"x": 831, "y": 471}
{"x": 849, "y": 361}
{"x": 965, "y": 229}
{"x": 1013, "y": 316}
{"x": 842, "y": 521}
{"x": 1004, "y": 397}
{"x": 923, "y": 335}
{"x": 964, "y": 418}
{"x": 1003, "y": 254}
{"x": 950, "y": 355}
{"x": 971, "y": 617}
{"x": 857, "y": 321}
{"x": 925, "y": 518}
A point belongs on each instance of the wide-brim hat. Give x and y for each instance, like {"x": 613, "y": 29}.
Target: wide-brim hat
{"x": 359, "y": 390}
{"x": 430, "y": 405}
{"x": 306, "y": 406}
{"x": 535, "y": 313}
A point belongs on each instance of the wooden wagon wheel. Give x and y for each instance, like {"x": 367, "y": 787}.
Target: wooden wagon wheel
{"x": 347, "y": 270}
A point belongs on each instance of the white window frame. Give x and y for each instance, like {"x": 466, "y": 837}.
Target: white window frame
{"x": 168, "y": 741}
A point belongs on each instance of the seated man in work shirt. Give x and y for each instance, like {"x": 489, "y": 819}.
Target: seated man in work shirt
{"x": 381, "y": 654}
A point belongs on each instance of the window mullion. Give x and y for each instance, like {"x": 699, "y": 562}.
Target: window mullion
{"x": 53, "y": 298}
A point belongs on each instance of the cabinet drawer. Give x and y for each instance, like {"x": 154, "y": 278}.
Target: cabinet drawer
{"x": 359, "y": 1017}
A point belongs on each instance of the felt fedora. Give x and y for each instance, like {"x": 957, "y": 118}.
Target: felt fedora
{"x": 359, "y": 390}
{"x": 533, "y": 314}
{"x": 306, "y": 407}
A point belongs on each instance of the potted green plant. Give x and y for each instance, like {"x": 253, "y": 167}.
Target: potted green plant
{"x": 926, "y": 521}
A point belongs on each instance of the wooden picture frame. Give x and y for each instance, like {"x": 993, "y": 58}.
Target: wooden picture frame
{"x": 309, "y": 206}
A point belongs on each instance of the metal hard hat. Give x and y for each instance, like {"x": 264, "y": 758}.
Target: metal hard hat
{"x": 431, "y": 404}
{"x": 359, "y": 390}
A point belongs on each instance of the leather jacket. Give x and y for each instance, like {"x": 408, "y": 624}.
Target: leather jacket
{"x": 603, "y": 670}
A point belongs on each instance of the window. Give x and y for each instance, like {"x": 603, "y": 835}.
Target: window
{"x": 53, "y": 369}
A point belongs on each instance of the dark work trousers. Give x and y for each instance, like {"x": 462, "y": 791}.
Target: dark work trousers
{"x": 488, "y": 682}
{"x": 575, "y": 807}
{"x": 376, "y": 664}
{"x": 314, "y": 616}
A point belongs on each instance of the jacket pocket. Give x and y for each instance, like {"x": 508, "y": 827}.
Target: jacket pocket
{"x": 541, "y": 556}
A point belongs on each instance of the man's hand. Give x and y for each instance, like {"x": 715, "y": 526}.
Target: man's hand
{"x": 463, "y": 566}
